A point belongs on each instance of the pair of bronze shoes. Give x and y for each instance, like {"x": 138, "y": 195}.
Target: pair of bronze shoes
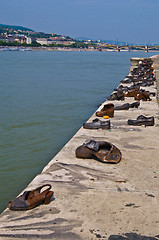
{"x": 31, "y": 199}
{"x": 126, "y": 106}
{"x": 107, "y": 110}
{"x": 103, "y": 151}
{"x": 96, "y": 124}
{"x": 142, "y": 120}
{"x": 131, "y": 93}
{"x": 119, "y": 95}
{"x": 144, "y": 96}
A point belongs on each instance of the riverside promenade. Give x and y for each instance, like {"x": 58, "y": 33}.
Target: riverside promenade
{"x": 95, "y": 200}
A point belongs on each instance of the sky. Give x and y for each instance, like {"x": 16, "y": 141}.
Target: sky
{"x": 132, "y": 21}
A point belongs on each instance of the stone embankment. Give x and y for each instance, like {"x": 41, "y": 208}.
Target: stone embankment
{"x": 94, "y": 200}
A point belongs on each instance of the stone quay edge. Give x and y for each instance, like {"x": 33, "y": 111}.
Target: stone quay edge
{"x": 94, "y": 200}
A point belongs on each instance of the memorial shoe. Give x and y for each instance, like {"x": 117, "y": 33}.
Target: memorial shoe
{"x": 122, "y": 107}
{"x": 144, "y": 96}
{"x": 126, "y": 106}
{"x": 30, "y": 199}
{"x": 119, "y": 95}
{"x": 134, "y": 104}
{"x": 142, "y": 120}
{"x": 131, "y": 93}
{"x": 96, "y": 124}
{"x": 108, "y": 110}
{"x": 103, "y": 151}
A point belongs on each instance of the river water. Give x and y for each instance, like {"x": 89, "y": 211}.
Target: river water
{"x": 45, "y": 97}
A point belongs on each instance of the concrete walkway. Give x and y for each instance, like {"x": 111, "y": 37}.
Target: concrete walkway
{"x": 93, "y": 200}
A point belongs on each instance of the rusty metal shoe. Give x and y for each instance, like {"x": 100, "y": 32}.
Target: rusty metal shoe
{"x": 103, "y": 151}
{"x": 30, "y": 199}
{"x": 108, "y": 110}
{"x": 142, "y": 120}
{"x": 144, "y": 96}
{"x": 96, "y": 124}
{"x": 131, "y": 93}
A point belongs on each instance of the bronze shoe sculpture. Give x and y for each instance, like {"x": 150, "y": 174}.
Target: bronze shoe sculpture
{"x": 122, "y": 107}
{"x": 144, "y": 96}
{"x": 134, "y": 104}
{"x": 127, "y": 80}
{"x": 119, "y": 95}
{"x": 103, "y": 151}
{"x": 30, "y": 199}
{"x": 96, "y": 124}
{"x": 126, "y": 106}
{"x": 142, "y": 120}
{"x": 132, "y": 93}
{"x": 108, "y": 110}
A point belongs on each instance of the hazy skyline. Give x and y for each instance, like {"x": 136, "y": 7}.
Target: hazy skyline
{"x": 133, "y": 21}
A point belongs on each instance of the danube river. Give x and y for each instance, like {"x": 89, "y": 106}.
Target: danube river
{"x": 45, "y": 97}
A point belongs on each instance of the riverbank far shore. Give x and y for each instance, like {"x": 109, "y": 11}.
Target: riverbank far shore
{"x": 93, "y": 200}
{"x": 70, "y": 49}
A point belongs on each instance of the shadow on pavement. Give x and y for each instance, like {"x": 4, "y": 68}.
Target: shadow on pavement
{"x": 132, "y": 236}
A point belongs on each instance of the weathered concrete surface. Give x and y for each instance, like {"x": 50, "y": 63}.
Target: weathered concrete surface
{"x": 95, "y": 200}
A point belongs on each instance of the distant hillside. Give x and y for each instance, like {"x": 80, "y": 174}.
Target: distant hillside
{"x": 16, "y": 27}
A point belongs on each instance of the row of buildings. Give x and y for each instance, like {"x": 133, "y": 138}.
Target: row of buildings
{"x": 20, "y": 39}
{"x": 25, "y": 38}
{"x": 55, "y": 40}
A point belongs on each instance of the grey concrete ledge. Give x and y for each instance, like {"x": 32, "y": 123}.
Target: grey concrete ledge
{"x": 96, "y": 200}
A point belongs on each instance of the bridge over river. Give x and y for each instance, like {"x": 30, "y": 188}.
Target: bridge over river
{"x": 129, "y": 48}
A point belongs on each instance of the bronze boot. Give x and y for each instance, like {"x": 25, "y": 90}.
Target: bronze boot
{"x": 107, "y": 110}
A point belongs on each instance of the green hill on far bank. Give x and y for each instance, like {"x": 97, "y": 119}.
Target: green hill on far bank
{"x": 15, "y": 27}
